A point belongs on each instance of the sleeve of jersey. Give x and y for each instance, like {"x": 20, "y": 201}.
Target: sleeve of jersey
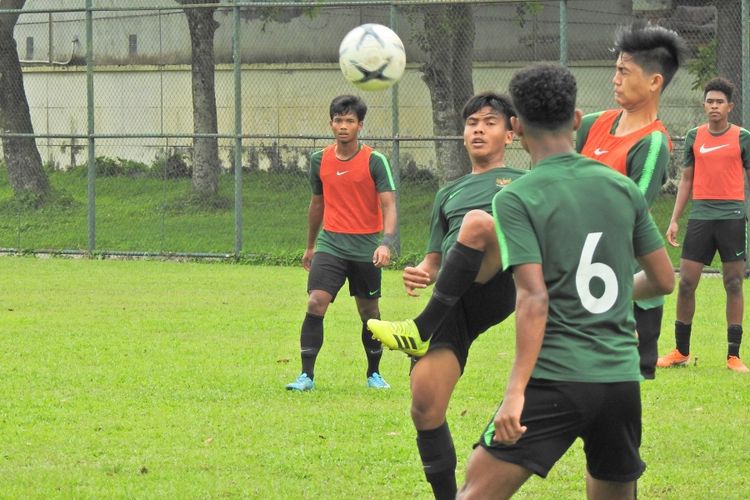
{"x": 438, "y": 225}
{"x": 583, "y": 131}
{"x": 315, "y": 183}
{"x": 515, "y": 235}
{"x": 648, "y": 162}
{"x": 688, "y": 159}
{"x": 380, "y": 170}
{"x": 646, "y": 236}
{"x": 745, "y": 147}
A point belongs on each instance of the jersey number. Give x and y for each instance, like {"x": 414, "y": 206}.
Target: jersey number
{"x": 588, "y": 270}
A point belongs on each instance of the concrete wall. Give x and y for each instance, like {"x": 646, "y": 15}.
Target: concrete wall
{"x": 276, "y": 100}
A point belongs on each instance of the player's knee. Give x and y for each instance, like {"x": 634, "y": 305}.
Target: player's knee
{"x": 317, "y": 304}
{"x": 733, "y": 284}
{"x": 477, "y": 225}
{"x": 687, "y": 285}
{"x": 425, "y": 413}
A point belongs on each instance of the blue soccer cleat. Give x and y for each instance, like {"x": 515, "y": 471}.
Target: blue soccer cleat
{"x": 375, "y": 381}
{"x": 303, "y": 383}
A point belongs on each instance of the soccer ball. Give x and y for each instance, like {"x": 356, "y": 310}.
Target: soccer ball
{"x": 372, "y": 57}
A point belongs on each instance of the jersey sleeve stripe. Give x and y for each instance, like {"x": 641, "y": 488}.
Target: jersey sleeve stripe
{"x": 501, "y": 241}
{"x": 651, "y": 158}
{"x": 387, "y": 168}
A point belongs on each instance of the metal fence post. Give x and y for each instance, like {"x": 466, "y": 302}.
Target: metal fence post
{"x": 396, "y": 144}
{"x": 236, "y": 56}
{"x": 91, "y": 171}
{"x": 564, "y": 32}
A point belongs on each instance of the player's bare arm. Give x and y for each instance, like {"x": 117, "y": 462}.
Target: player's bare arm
{"x": 423, "y": 274}
{"x": 532, "y": 303}
{"x": 657, "y": 277}
{"x": 314, "y": 221}
{"x": 382, "y": 255}
{"x": 684, "y": 190}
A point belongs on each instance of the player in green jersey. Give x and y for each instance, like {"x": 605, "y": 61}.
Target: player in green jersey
{"x": 569, "y": 230}
{"x": 717, "y": 162}
{"x": 455, "y": 319}
{"x": 353, "y": 200}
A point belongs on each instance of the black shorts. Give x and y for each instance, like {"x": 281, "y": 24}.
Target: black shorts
{"x": 478, "y": 309}
{"x": 704, "y": 237}
{"x": 328, "y": 272}
{"x": 607, "y": 417}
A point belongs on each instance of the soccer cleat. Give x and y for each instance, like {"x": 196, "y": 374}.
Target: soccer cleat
{"x": 399, "y": 336}
{"x": 375, "y": 381}
{"x": 303, "y": 383}
{"x": 674, "y": 358}
{"x": 736, "y": 365}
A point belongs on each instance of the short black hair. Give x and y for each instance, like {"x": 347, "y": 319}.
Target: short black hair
{"x": 720, "y": 84}
{"x": 345, "y": 104}
{"x": 544, "y": 96}
{"x": 654, "y": 48}
{"x": 498, "y": 102}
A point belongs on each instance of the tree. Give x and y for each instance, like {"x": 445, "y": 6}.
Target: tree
{"x": 25, "y": 172}
{"x": 205, "y": 149}
{"x": 448, "y": 41}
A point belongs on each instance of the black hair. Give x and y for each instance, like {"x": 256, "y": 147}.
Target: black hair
{"x": 653, "y": 48}
{"x": 544, "y": 96}
{"x": 345, "y": 104}
{"x": 498, "y": 102}
{"x": 719, "y": 84}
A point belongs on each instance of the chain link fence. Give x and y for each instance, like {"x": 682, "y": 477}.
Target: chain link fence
{"x": 141, "y": 112}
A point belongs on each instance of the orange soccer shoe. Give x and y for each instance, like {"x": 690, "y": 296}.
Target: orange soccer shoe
{"x": 674, "y": 358}
{"x": 736, "y": 365}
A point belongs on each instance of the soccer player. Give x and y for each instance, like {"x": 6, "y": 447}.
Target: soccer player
{"x": 633, "y": 141}
{"x": 569, "y": 230}
{"x": 455, "y": 317}
{"x": 717, "y": 159}
{"x": 353, "y": 199}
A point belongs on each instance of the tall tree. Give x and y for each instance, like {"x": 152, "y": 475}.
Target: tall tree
{"x": 205, "y": 149}
{"x": 25, "y": 172}
{"x": 448, "y": 42}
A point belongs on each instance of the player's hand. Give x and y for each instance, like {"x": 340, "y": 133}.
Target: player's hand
{"x": 672, "y": 234}
{"x": 508, "y": 428}
{"x": 307, "y": 258}
{"x": 415, "y": 278}
{"x": 382, "y": 256}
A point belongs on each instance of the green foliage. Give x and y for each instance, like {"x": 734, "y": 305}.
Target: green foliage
{"x": 529, "y": 8}
{"x": 703, "y": 67}
{"x": 146, "y": 379}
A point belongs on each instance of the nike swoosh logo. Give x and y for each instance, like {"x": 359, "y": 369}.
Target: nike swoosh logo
{"x": 739, "y": 253}
{"x": 341, "y": 173}
{"x": 454, "y": 193}
{"x": 705, "y": 150}
{"x": 374, "y": 292}
{"x": 599, "y": 152}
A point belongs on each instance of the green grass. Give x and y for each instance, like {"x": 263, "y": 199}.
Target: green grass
{"x": 145, "y": 214}
{"x": 165, "y": 379}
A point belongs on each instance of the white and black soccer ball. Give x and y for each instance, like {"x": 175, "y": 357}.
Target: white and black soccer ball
{"x": 372, "y": 57}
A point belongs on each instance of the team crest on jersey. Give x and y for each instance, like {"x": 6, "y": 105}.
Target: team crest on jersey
{"x": 503, "y": 182}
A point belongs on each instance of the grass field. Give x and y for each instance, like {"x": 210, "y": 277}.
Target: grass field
{"x": 146, "y": 214}
{"x": 165, "y": 379}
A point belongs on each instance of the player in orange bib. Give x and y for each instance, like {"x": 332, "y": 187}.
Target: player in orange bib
{"x": 717, "y": 160}
{"x": 633, "y": 141}
{"x": 353, "y": 200}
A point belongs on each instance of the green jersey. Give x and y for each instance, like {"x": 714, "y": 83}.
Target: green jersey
{"x": 585, "y": 224}
{"x": 452, "y": 202}
{"x": 377, "y": 178}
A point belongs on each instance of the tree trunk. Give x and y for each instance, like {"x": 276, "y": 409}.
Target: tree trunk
{"x": 729, "y": 51}
{"x": 205, "y": 150}
{"x": 449, "y": 43}
{"x": 25, "y": 172}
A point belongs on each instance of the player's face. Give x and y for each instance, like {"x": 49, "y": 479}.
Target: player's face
{"x": 633, "y": 87}
{"x": 717, "y": 106}
{"x": 486, "y": 134}
{"x": 346, "y": 127}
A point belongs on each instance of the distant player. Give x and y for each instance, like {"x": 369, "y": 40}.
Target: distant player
{"x": 569, "y": 230}
{"x": 717, "y": 159}
{"x": 633, "y": 141}
{"x": 471, "y": 293}
{"x": 353, "y": 199}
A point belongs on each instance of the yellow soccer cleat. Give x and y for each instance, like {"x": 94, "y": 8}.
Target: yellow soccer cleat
{"x": 399, "y": 336}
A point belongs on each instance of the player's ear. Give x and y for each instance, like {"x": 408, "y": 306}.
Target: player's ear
{"x": 577, "y": 117}
{"x": 515, "y": 124}
{"x": 656, "y": 82}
